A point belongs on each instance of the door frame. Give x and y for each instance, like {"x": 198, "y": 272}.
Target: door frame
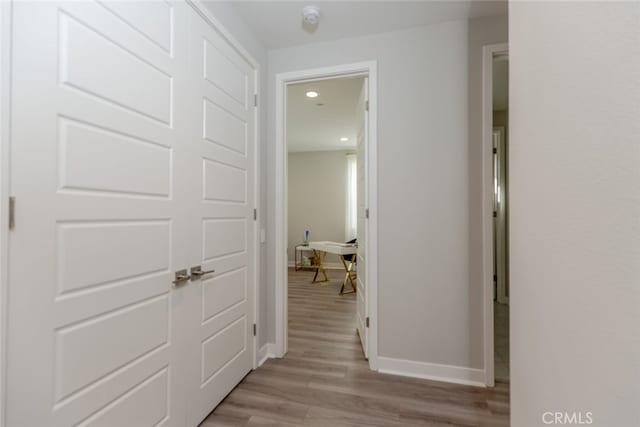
{"x": 5, "y": 135}
{"x": 368, "y": 68}
{"x": 488, "y": 53}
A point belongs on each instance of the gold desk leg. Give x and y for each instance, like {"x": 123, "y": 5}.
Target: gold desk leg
{"x": 347, "y": 276}
{"x": 319, "y": 255}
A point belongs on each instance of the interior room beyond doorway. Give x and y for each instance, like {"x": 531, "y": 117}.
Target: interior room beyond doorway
{"x": 501, "y": 214}
{"x": 323, "y": 131}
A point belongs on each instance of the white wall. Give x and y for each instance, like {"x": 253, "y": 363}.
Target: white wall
{"x": 429, "y": 137}
{"x": 575, "y": 211}
{"x": 5, "y": 106}
{"x": 224, "y": 12}
{"x": 317, "y": 198}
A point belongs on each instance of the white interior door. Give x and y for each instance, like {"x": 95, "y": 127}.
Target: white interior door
{"x": 98, "y": 123}
{"x": 363, "y": 126}
{"x": 222, "y": 217}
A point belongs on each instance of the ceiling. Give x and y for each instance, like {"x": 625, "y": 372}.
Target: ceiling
{"x": 501, "y": 83}
{"x": 313, "y": 127}
{"x": 279, "y": 23}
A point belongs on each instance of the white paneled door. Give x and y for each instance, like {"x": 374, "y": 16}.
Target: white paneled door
{"x": 222, "y": 216}
{"x": 363, "y": 126}
{"x": 131, "y": 158}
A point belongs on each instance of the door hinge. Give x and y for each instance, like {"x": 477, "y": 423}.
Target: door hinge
{"x": 366, "y": 105}
{"x": 12, "y": 213}
{"x": 495, "y": 214}
{"x": 255, "y": 214}
{"x": 366, "y": 213}
{"x": 495, "y": 150}
{"x": 255, "y": 329}
{"x": 255, "y": 100}
{"x": 367, "y": 322}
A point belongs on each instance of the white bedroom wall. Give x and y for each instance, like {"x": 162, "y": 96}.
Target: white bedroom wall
{"x": 317, "y": 198}
{"x": 429, "y": 138}
{"x": 575, "y": 211}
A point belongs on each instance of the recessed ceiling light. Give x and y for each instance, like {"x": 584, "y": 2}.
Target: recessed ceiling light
{"x": 312, "y": 94}
{"x": 344, "y": 139}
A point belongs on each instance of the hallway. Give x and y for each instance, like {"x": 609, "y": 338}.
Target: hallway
{"x": 325, "y": 381}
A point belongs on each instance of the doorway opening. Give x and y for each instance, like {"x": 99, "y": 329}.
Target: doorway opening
{"x": 324, "y": 143}
{"x": 325, "y": 211}
{"x": 496, "y": 212}
{"x": 501, "y": 217}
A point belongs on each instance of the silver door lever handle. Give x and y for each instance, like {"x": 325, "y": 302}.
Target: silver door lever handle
{"x": 181, "y": 276}
{"x": 197, "y": 271}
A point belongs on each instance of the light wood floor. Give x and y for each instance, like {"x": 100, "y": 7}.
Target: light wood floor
{"x": 324, "y": 379}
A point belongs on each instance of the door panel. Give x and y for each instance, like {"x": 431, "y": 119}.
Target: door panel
{"x": 100, "y": 225}
{"x": 361, "y": 281}
{"x": 222, "y": 292}
{"x": 222, "y": 217}
{"x": 223, "y": 128}
{"x": 74, "y": 344}
{"x": 221, "y": 347}
{"x": 117, "y": 169}
{"x": 223, "y": 68}
{"x": 85, "y": 257}
{"x": 224, "y": 183}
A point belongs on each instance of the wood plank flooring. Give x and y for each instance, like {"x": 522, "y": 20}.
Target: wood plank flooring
{"x": 324, "y": 379}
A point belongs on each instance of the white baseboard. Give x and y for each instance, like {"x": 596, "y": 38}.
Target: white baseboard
{"x": 327, "y": 265}
{"x": 267, "y": 351}
{"x": 432, "y": 371}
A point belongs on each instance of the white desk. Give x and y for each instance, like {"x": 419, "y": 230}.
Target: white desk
{"x": 321, "y": 249}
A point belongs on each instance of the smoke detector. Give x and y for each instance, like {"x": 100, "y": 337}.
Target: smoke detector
{"x": 311, "y": 15}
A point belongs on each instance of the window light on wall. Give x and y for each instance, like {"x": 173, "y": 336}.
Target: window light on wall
{"x": 351, "y": 222}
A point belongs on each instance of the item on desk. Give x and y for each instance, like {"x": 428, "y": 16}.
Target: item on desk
{"x": 306, "y": 237}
